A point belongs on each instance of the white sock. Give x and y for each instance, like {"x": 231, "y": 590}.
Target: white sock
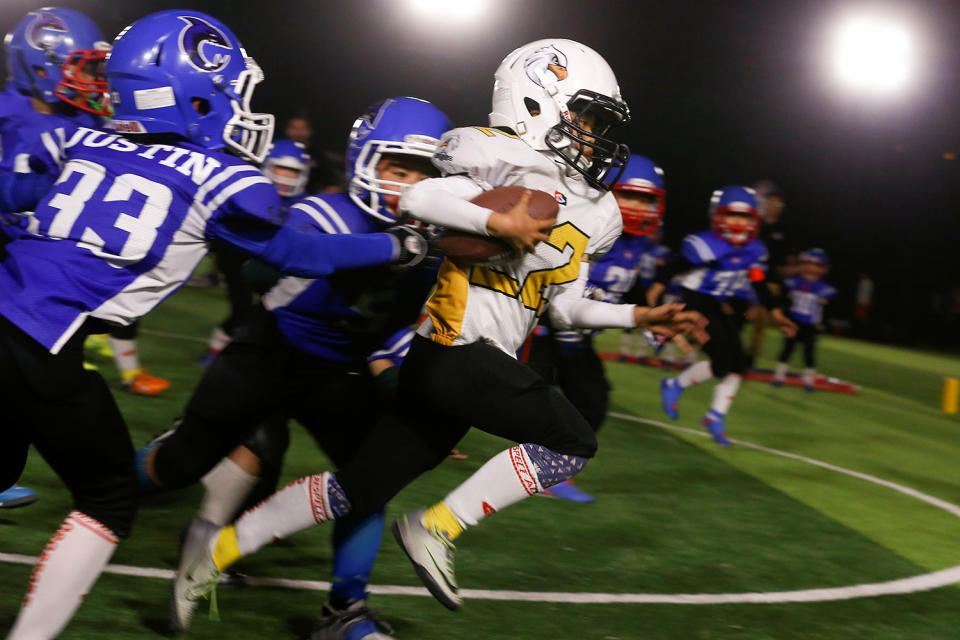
{"x": 504, "y": 479}
{"x": 300, "y": 505}
{"x": 626, "y": 343}
{"x": 219, "y": 339}
{"x": 227, "y": 487}
{"x": 724, "y": 393}
{"x": 65, "y": 572}
{"x": 781, "y": 371}
{"x": 808, "y": 375}
{"x": 125, "y": 354}
{"x": 698, "y": 372}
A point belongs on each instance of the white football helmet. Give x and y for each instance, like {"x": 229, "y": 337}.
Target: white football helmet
{"x": 536, "y": 88}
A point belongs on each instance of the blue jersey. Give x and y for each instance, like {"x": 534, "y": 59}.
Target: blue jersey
{"x": 27, "y": 137}
{"x": 348, "y": 315}
{"x": 720, "y": 268}
{"x": 126, "y": 224}
{"x": 615, "y": 273}
{"x": 807, "y": 298}
{"x": 657, "y": 255}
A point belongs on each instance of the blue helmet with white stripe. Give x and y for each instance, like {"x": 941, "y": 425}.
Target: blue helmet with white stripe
{"x": 815, "y": 254}
{"x": 405, "y": 126}
{"x": 642, "y": 176}
{"x": 737, "y": 202}
{"x": 185, "y": 73}
{"x": 288, "y": 167}
{"x": 38, "y": 46}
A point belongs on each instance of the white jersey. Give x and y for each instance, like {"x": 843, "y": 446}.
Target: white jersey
{"x": 500, "y": 304}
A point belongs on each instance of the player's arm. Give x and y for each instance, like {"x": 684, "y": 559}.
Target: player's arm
{"x": 23, "y": 191}
{"x": 570, "y": 309}
{"x": 772, "y": 302}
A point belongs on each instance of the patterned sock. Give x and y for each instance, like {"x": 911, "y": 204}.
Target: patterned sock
{"x": 355, "y": 547}
{"x": 301, "y": 504}
{"x": 65, "y": 572}
{"x": 508, "y": 477}
{"x": 227, "y": 487}
{"x": 724, "y": 393}
{"x": 126, "y": 357}
{"x": 698, "y": 372}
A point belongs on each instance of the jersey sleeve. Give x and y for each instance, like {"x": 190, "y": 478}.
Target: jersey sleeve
{"x": 828, "y": 292}
{"x": 395, "y": 347}
{"x": 23, "y": 191}
{"x": 602, "y": 241}
{"x": 695, "y": 250}
{"x": 247, "y": 214}
{"x": 486, "y": 156}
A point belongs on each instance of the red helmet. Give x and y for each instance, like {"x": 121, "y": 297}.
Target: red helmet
{"x": 641, "y": 175}
{"x": 741, "y": 202}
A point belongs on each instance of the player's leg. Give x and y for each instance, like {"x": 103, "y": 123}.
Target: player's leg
{"x": 242, "y": 387}
{"x": 133, "y": 376}
{"x": 726, "y": 359}
{"x": 496, "y": 393}
{"x": 808, "y": 334}
{"x": 14, "y": 441}
{"x": 672, "y": 388}
{"x": 77, "y": 428}
{"x": 780, "y": 373}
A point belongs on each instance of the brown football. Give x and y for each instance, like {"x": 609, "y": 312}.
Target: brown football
{"x": 468, "y": 248}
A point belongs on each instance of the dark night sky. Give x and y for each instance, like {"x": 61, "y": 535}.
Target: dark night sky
{"x": 721, "y": 92}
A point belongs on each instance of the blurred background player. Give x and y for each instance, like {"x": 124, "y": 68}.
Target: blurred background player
{"x": 287, "y": 166}
{"x": 718, "y": 263}
{"x": 808, "y": 296}
{"x": 781, "y": 262}
{"x": 568, "y": 358}
{"x": 37, "y": 100}
{"x": 84, "y": 267}
{"x": 320, "y": 351}
{"x": 637, "y": 343}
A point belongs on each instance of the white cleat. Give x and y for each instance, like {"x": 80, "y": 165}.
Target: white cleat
{"x": 197, "y": 575}
{"x": 431, "y": 553}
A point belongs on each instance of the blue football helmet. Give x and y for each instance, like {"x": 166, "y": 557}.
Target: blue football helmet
{"x": 815, "y": 255}
{"x": 44, "y": 40}
{"x": 184, "y": 72}
{"x": 407, "y": 126}
{"x": 736, "y": 201}
{"x": 292, "y": 156}
{"x": 641, "y": 175}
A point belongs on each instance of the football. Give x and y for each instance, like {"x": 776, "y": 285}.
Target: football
{"x": 468, "y": 248}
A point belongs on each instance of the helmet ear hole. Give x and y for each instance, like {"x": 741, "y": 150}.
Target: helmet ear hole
{"x": 202, "y": 105}
{"x": 533, "y": 107}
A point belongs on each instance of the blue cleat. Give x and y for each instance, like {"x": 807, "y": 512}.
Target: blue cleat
{"x": 568, "y": 491}
{"x": 670, "y": 396}
{"x": 17, "y": 496}
{"x": 356, "y": 622}
{"x": 715, "y": 424}
{"x": 808, "y": 388}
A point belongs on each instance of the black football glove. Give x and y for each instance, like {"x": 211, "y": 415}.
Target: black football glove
{"x": 410, "y": 245}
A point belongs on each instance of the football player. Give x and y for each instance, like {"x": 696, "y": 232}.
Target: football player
{"x": 127, "y": 221}
{"x": 554, "y": 105}
{"x": 808, "y": 296}
{"x": 288, "y": 167}
{"x": 38, "y": 99}
{"x": 718, "y": 263}
{"x": 304, "y": 354}
{"x": 568, "y": 358}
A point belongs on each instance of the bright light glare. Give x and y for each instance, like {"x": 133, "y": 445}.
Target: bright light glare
{"x": 872, "y": 54}
{"x": 450, "y": 9}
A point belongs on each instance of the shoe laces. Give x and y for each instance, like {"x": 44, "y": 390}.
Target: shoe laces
{"x": 207, "y": 589}
{"x": 448, "y": 545}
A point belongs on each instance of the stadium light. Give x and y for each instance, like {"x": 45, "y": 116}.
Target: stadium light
{"x": 873, "y": 54}
{"x": 447, "y": 9}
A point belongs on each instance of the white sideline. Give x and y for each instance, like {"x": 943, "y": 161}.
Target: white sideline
{"x": 924, "y": 582}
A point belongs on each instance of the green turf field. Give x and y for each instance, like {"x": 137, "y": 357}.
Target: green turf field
{"x": 675, "y": 514}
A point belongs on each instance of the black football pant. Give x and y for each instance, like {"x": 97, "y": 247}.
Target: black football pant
{"x": 806, "y": 335}
{"x": 239, "y": 293}
{"x": 577, "y": 370}
{"x": 70, "y": 416}
{"x": 443, "y": 392}
{"x": 258, "y": 377}
{"x": 724, "y": 347}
